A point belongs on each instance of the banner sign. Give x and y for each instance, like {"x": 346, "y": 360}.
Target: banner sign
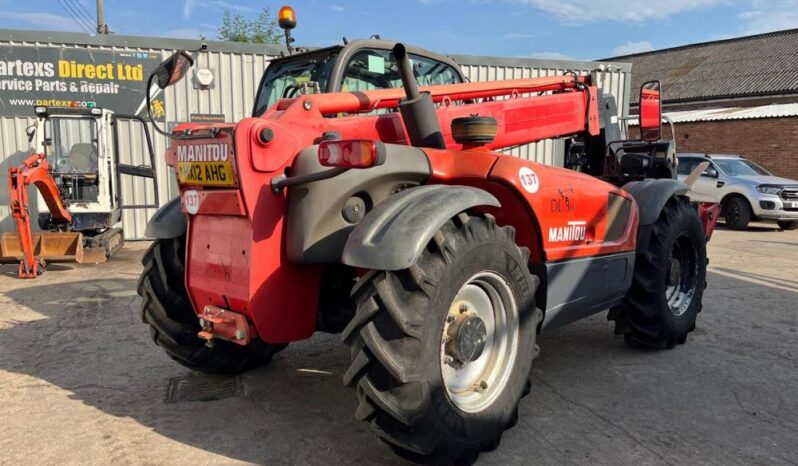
{"x": 70, "y": 77}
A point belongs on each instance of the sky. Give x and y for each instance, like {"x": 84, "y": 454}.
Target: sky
{"x": 555, "y": 29}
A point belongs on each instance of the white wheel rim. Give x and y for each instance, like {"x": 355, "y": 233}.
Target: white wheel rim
{"x": 474, "y": 386}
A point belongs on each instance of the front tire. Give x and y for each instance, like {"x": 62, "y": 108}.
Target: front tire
{"x": 788, "y": 225}
{"x": 737, "y": 213}
{"x": 166, "y": 308}
{"x": 441, "y": 352}
{"x": 663, "y": 303}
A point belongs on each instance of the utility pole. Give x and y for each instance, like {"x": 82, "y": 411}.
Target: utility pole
{"x": 102, "y": 28}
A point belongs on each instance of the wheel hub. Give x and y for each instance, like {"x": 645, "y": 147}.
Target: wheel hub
{"x": 674, "y": 272}
{"x": 479, "y": 342}
{"x": 467, "y": 338}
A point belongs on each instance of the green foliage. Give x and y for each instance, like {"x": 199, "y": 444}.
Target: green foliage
{"x": 262, "y": 30}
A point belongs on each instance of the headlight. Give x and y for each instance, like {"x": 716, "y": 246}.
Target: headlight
{"x": 765, "y": 189}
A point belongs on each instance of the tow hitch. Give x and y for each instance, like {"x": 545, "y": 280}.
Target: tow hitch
{"x": 226, "y": 325}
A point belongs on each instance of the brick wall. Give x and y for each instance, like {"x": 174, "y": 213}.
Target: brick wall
{"x": 770, "y": 142}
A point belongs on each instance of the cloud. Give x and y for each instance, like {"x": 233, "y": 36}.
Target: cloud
{"x": 336, "y": 8}
{"x": 769, "y": 15}
{"x": 190, "y": 5}
{"x": 45, "y": 20}
{"x": 550, "y": 56}
{"x": 630, "y": 48}
{"x": 589, "y": 11}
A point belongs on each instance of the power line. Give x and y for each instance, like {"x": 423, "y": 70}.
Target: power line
{"x": 80, "y": 10}
{"x": 80, "y": 4}
{"x": 80, "y": 22}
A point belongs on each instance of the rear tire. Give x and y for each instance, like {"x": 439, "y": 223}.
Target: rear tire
{"x": 737, "y": 213}
{"x": 402, "y": 368}
{"x": 661, "y": 307}
{"x": 166, "y": 308}
{"x": 788, "y": 225}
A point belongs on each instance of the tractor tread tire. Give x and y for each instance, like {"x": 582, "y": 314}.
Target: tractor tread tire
{"x": 166, "y": 308}
{"x": 644, "y": 317}
{"x": 388, "y": 335}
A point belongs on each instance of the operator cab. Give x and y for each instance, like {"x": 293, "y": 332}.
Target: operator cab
{"x": 71, "y": 143}
{"x": 359, "y": 65}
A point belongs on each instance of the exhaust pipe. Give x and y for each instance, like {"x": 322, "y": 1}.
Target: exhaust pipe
{"x": 418, "y": 111}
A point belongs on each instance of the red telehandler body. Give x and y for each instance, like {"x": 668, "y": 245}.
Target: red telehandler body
{"x": 437, "y": 259}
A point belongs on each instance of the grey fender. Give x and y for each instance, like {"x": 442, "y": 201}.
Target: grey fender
{"x": 652, "y": 195}
{"x": 168, "y": 222}
{"x": 394, "y": 234}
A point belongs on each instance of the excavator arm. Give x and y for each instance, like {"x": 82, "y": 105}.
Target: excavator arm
{"x": 34, "y": 170}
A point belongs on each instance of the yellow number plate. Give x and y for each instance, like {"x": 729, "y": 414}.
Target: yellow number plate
{"x": 206, "y": 173}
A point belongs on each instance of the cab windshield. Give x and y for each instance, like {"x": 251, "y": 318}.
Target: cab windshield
{"x": 71, "y": 144}
{"x": 740, "y": 167}
{"x": 285, "y": 79}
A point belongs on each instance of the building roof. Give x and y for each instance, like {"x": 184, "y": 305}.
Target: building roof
{"x": 760, "y": 65}
{"x": 731, "y": 113}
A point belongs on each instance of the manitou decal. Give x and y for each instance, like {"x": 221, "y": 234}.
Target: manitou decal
{"x": 202, "y": 153}
{"x": 574, "y": 231}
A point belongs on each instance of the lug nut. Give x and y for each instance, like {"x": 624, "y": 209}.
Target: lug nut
{"x": 463, "y": 308}
{"x": 240, "y": 334}
{"x": 450, "y": 319}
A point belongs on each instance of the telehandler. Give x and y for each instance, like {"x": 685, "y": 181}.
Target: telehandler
{"x": 388, "y": 217}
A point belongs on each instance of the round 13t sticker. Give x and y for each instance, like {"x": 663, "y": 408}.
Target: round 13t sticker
{"x": 529, "y": 180}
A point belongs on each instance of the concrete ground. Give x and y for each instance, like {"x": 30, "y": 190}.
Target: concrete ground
{"x": 81, "y": 382}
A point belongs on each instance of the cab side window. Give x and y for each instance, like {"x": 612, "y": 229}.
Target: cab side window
{"x": 372, "y": 69}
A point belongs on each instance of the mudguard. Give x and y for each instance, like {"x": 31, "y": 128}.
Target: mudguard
{"x": 394, "y": 234}
{"x": 168, "y": 222}
{"x": 652, "y": 195}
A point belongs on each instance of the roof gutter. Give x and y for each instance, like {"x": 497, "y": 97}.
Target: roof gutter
{"x": 725, "y": 100}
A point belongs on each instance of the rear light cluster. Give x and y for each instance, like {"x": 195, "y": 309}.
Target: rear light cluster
{"x": 351, "y": 153}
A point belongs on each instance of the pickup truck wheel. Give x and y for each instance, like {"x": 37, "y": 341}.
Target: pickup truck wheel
{"x": 661, "y": 307}
{"x": 788, "y": 225}
{"x": 166, "y": 308}
{"x": 441, "y": 352}
{"x": 736, "y": 213}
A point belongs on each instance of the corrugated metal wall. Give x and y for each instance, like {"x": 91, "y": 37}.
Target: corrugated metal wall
{"x": 237, "y": 69}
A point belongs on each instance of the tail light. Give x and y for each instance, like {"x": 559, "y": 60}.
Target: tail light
{"x": 351, "y": 153}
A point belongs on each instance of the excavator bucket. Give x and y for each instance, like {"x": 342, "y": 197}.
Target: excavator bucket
{"x": 52, "y": 247}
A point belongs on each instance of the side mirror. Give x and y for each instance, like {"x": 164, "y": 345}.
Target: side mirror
{"x": 173, "y": 69}
{"x": 31, "y": 131}
{"x": 711, "y": 172}
{"x": 650, "y": 111}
